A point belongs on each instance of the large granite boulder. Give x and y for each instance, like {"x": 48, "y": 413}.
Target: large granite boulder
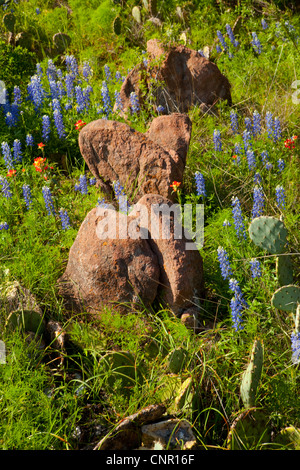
{"x": 142, "y": 162}
{"x": 178, "y": 77}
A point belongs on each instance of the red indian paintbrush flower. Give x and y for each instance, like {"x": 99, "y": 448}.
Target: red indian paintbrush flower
{"x": 80, "y": 124}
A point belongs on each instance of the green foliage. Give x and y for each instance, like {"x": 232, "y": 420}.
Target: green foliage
{"x": 252, "y": 375}
{"x": 16, "y": 65}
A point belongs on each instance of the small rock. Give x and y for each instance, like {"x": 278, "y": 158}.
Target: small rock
{"x": 172, "y": 434}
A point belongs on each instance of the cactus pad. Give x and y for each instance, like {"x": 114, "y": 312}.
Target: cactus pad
{"x": 289, "y": 438}
{"x": 284, "y": 270}
{"x": 9, "y": 21}
{"x": 249, "y": 431}
{"x": 286, "y": 298}
{"x": 28, "y": 320}
{"x": 268, "y": 233}
{"x": 117, "y": 25}
{"x": 177, "y": 360}
{"x": 136, "y": 13}
{"x": 252, "y": 374}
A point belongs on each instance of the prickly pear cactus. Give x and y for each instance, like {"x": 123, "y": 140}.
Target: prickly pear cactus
{"x": 117, "y": 26}
{"x": 27, "y": 320}
{"x": 269, "y": 233}
{"x": 252, "y": 374}
{"x": 249, "y": 431}
{"x": 176, "y": 360}
{"x": 289, "y": 438}
{"x": 136, "y": 13}
{"x": 286, "y": 298}
{"x": 184, "y": 396}
{"x": 9, "y": 21}
{"x": 284, "y": 270}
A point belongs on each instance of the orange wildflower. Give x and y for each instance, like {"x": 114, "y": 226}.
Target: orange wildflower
{"x": 39, "y": 164}
{"x": 11, "y": 173}
{"x": 41, "y": 145}
{"x": 79, "y": 124}
{"x": 175, "y": 185}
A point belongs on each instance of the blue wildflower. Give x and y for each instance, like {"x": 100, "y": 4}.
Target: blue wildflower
{"x": 264, "y": 24}
{"x": 277, "y": 130}
{"x": 218, "y": 48}
{"x": 59, "y": 124}
{"x": 107, "y": 73}
{"x": 106, "y": 99}
{"x": 4, "y": 226}
{"x": 69, "y": 82}
{"x": 256, "y": 43}
{"x": 295, "y": 340}
{"x": 234, "y": 122}
{"x": 256, "y": 129}
{"x": 222, "y": 40}
{"x": 257, "y": 179}
{"x": 251, "y": 159}
{"x": 29, "y": 140}
{"x": 65, "y": 221}
{"x": 258, "y": 202}
{"x": 247, "y": 140}
{"x": 72, "y": 65}
{"x": 269, "y": 124}
{"x": 46, "y": 127}
{"x": 17, "y": 95}
{"x": 48, "y": 200}
{"x": 200, "y": 184}
{"x": 236, "y": 313}
{"x": 83, "y": 184}
{"x": 7, "y": 156}
{"x": 226, "y": 271}
{"x": 269, "y": 166}
{"x": 280, "y": 196}
{"x": 17, "y": 151}
{"x": 238, "y": 218}
{"x": 121, "y": 196}
{"x": 134, "y": 103}
{"x": 264, "y": 157}
{"x": 86, "y": 71}
{"x": 92, "y": 181}
{"x": 255, "y": 268}
{"x": 231, "y": 35}
{"x": 248, "y": 124}
{"x": 5, "y": 188}
{"x": 280, "y": 165}
{"x": 160, "y": 109}
{"x": 27, "y": 195}
{"x": 36, "y": 92}
{"x": 217, "y": 140}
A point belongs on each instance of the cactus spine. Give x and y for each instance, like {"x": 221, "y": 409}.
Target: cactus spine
{"x": 252, "y": 375}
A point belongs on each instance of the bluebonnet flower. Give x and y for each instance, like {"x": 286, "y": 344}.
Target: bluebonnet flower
{"x": 269, "y": 124}
{"x": 264, "y": 157}
{"x": 256, "y": 43}
{"x": 256, "y": 129}
{"x": 68, "y": 106}
{"x": 92, "y": 181}
{"x": 29, "y": 140}
{"x": 9, "y": 120}
{"x": 55, "y": 104}
{"x": 258, "y": 202}
{"x": 200, "y": 51}
{"x": 4, "y": 226}
{"x": 86, "y": 71}
{"x": 65, "y": 221}
{"x": 61, "y": 90}
{"x": 280, "y": 196}
{"x": 17, "y": 150}
{"x": 107, "y": 73}
{"x": 7, "y": 156}
{"x": 237, "y": 309}
{"x": 83, "y": 184}
{"x": 226, "y": 223}
{"x": 118, "y": 77}
{"x": 234, "y": 122}
{"x": 17, "y": 95}
{"x": 231, "y": 35}
{"x": 106, "y": 99}
{"x": 218, "y": 48}
{"x": 39, "y": 70}
{"x": 54, "y": 90}
{"x": 72, "y": 65}
{"x": 217, "y": 140}
{"x": 257, "y": 179}
{"x": 269, "y": 166}
{"x": 247, "y": 140}
{"x": 27, "y": 195}
{"x": 5, "y": 188}
{"x": 121, "y": 196}
{"x": 238, "y": 218}
{"x": 59, "y": 124}
{"x": 295, "y": 340}
{"x": 277, "y": 130}
{"x": 251, "y": 159}
{"x": 200, "y": 184}
{"x": 222, "y": 40}
{"x": 248, "y": 124}
{"x": 134, "y": 103}
{"x": 69, "y": 82}
{"x": 79, "y": 99}
{"x": 46, "y": 127}
{"x": 87, "y": 91}
{"x": 226, "y": 271}
{"x": 264, "y": 24}
{"x": 237, "y": 150}
{"x": 102, "y": 203}
{"x": 36, "y": 91}
{"x": 48, "y": 200}
{"x": 38, "y": 11}
{"x": 255, "y": 268}
{"x": 280, "y": 165}
{"x": 160, "y": 109}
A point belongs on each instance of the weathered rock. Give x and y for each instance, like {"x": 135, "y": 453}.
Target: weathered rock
{"x": 185, "y": 78}
{"x": 127, "y": 434}
{"x": 173, "y": 434}
{"x": 181, "y": 283}
{"x": 108, "y": 272}
{"x": 146, "y": 163}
